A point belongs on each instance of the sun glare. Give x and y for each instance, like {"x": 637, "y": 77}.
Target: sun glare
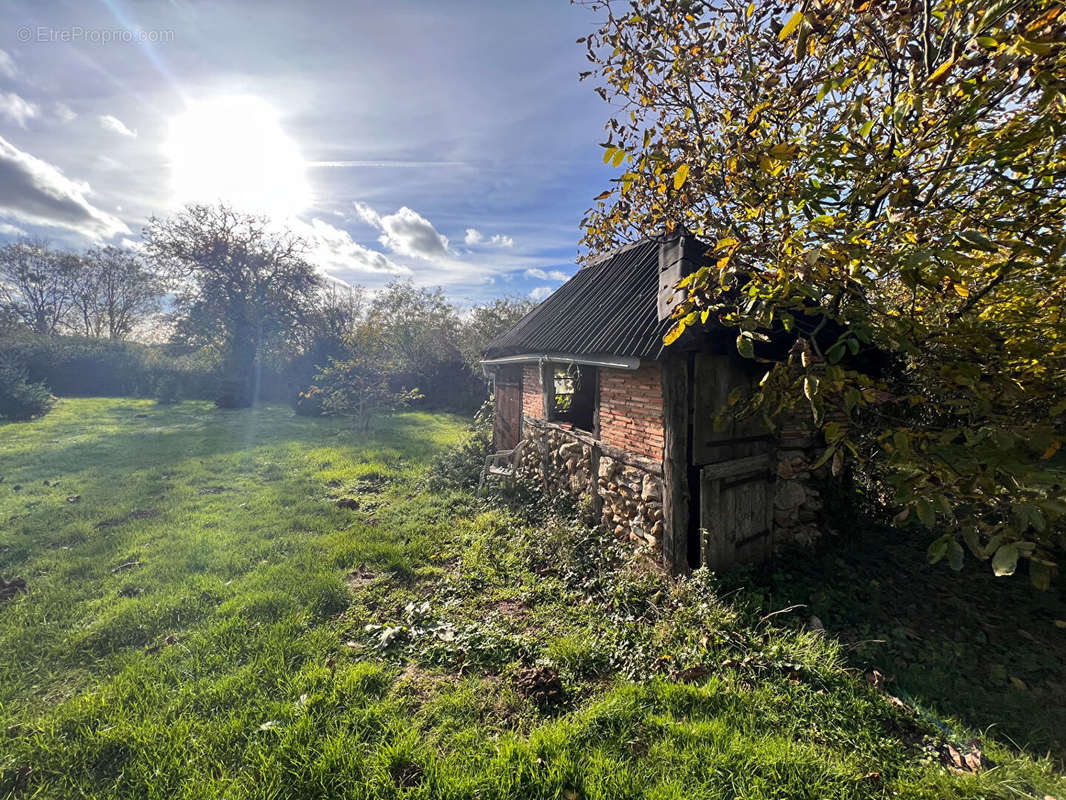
{"x": 233, "y": 149}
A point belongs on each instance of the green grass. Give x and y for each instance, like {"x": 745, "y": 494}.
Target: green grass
{"x": 205, "y": 621}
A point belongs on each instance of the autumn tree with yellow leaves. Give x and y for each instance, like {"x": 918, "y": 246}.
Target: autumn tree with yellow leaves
{"x": 897, "y": 168}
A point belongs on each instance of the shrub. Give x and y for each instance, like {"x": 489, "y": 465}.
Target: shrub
{"x": 21, "y": 399}
{"x": 459, "y": 467}
{"x": 360, "y": 386}
{"x": 167, "y": 390}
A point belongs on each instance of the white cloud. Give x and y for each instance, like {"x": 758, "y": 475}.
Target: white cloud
{"x": 541, "y": 292}
{"x": 114, "y": 124}
{"x": 7, "y": 65}
{"x": 7, "y": 229}
{"x": 550, "y": 275}
{"x": 334, "y": 252}
{"x": 367, "y": 214}
{"x": 17, "y": 109}
{"x": 406, "y": 232}
{"x": 475, "y": 237}
{"x": 65, "y": 113}
{"x": 38, "y": 193}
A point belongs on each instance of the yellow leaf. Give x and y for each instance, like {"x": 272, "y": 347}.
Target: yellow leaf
{"x": 790, "y": 26}
{"x": 674, "y": 333}
{"x": 619, "y": 155}
{"x": 961, "y": 290}
{"x": 940, "y": 72}
{"x": 724, "y": 243}
{"x": 783, "y": 152}
{"x": 1054, "y": 448}
{"x": 680, "y": 176}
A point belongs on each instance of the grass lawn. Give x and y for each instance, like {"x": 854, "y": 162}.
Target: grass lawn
{"x": 204, "y": 619}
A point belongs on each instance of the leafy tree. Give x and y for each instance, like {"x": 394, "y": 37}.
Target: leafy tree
{"x": 900, "y": 166}
{"x": 485, "y": 322}
{"x": 242, "y": 286}
{"x": 36, "y": 284}
{"x": 111, "y": 292}
{"x": 360, "y": 386}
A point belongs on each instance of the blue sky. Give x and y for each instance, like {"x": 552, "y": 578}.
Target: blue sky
{"x": 448, "y": 141}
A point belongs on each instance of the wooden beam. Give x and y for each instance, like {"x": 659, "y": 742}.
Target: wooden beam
{"x": 676, "y": 494}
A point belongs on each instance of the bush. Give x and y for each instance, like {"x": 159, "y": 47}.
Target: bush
{"x": 167, "y": 390}
{"x": 459, "y": 467}
{"x": 21, "y": 399}
{"x": 84, "y": 367}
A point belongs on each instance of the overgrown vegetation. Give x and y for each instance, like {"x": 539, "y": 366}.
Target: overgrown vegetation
{"x": 258, "y": 604}
{"x": 881, "y": 180}
{"x": 20, "y": 398}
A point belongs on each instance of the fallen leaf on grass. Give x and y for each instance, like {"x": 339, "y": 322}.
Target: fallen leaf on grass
{"x": 970, "y": 762}
{"x": 266, "y": 726}
{"x": 74, "y": 498}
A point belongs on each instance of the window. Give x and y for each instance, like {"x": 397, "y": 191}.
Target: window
{"x": 572, "y": 397}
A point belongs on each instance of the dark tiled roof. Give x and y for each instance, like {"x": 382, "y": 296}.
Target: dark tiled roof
{"x": 608, "y": 308}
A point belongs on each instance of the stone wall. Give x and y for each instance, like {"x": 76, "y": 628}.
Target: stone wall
{"x": 797, "y": 498}
{"x": 622, "y": 490}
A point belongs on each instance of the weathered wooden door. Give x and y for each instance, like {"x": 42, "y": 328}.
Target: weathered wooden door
{"x": 508, "y": 424}
{"x": 736, "y": 511}
{"x": 734, "y": 466}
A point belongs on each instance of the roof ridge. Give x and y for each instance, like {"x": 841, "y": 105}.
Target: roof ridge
{"x": 617, "y": 251}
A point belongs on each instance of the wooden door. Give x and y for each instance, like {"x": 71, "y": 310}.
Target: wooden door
{"x": 736, "y": 511}
{"x": 507, "y": 429}
{"x": 734, "y": 466}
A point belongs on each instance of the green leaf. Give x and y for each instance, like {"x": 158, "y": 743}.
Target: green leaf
{"x": 926, "y": 513}
{"x": 937, "y": 550}
{"x": 1040, "y": 575}
{"x": 977, "y": 241}
{"x": 864, "y": 131}
{"x": 1005, "y": 561}
{"x": 745, "y": 347}
{"x": 810, "y": 386}
{"x": 790, "y": 26}
{"x": 955, "y": 555}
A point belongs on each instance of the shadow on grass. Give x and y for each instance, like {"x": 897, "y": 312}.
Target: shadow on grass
{"x": 985, "y": 651}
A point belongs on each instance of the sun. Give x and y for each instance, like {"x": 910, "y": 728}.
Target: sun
{"x": 233, "y": 149}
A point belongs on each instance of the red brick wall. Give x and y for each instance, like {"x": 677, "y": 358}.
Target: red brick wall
{"x": 630, "y": 407}
{"x": 532, "y": 394}
{"x": 631, "y": 410}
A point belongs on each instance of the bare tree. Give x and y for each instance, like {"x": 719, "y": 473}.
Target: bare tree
{"x": 112, "y": 291}
{"x": 36, "y": 284}
{"x": 241, "y": 285}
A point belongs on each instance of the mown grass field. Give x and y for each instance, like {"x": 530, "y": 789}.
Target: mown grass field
{"x": 203, "y": 619}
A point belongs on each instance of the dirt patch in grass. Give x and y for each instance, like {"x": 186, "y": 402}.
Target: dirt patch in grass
{"x": 360, "y": 578}
{"x": 540, "y": 685}
{"x": 8, "y": 589}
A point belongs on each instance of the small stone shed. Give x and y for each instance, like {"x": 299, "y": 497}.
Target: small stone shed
{"x": 608, "y": 414}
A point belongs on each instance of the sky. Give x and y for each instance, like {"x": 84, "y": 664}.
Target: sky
{"x": 445, "y": 141}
